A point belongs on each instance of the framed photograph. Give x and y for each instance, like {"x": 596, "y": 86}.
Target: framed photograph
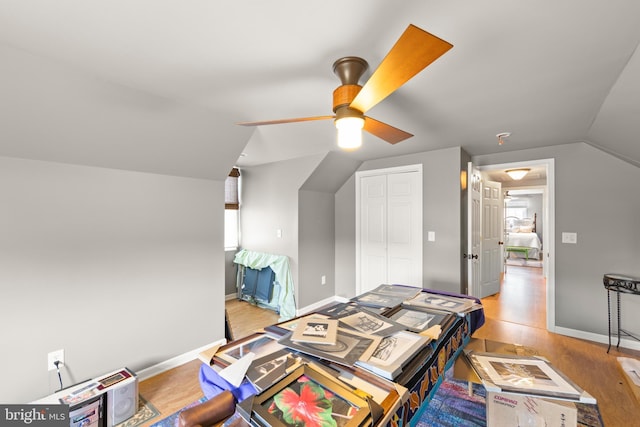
{"x": 522, "y": 374}
{"x": 394, "y": 352}
{"x": 281, "y": 329}
{"x": 258, "y": 344}
{"x": 374, "y": 299}
{"x": 267, "y": 370}
{"x": 398, "y": 290}
{"x": 339, "y": 310}
{"x": 441, "y": 302}
{"x": 350, "y": 347}
{"x": 370, "y": 323}
{"x": 315, "y": 330}
{"x": 309, "y": 397}
{"x": 418, "y": 319}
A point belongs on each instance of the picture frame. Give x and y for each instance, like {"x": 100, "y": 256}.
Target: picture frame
{"x": 441, "y": 302}
{"x": 418, "y": 319}
{"x": 258, "y": 344}
{"x": 350, "y": 347}
{"x": 529, "y": 375}
{"x": 339, "y": 310}
{"x": 404, "y": 291}
{"x": 393, "y": 353}
{"x": 367, "y": 322}
{"x": 316, "y": 330}
{"x": 378, "y": 300}
{"x": 327, "y": 398}
{"x": 281, "y": 329}
{"x": 267, "y": 370}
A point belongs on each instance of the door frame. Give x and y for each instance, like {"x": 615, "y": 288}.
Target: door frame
{"x": 372, "y": 172}
{"x": 549, "y": 233}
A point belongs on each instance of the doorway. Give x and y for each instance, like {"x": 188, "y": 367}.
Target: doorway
{"x": 541, "y": 176}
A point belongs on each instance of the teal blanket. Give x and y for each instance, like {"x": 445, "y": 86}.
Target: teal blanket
{"x": 280, "y": 266}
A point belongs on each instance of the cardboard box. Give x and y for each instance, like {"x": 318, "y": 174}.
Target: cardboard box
{"x": 511, "y": 410}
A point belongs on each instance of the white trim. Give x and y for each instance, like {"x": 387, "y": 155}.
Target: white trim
{"x": 230, "y": 297}
{"x": 315, "y": 306}
{"x": 604, "y": 339}
{"x": 174, "y": 362}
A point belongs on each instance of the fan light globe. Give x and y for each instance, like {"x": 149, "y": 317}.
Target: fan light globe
{"x": 350, "y": 132}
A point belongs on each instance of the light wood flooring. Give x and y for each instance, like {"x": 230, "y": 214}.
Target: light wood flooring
{"x": 516, "y": 315}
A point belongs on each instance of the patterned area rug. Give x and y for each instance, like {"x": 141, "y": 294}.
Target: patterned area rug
{"x": 172, "y": 420}
{"x": 452, "y": 406}
{"x": 146, "y": 411}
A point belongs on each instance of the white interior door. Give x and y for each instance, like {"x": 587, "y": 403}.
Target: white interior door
{"x": 389, "y": 240}
{"x": 490, "y": 238}
{"x": 474, "y": 203}
{"x": 404, "y": 229}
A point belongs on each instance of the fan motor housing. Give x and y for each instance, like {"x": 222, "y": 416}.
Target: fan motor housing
{"x": 343, "y": 95}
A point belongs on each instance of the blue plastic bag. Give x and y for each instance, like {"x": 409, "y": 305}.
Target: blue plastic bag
{"x": 213, "y": 384}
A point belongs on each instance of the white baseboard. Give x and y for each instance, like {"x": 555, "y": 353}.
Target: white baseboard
{"x": 174, "y": 362}
{"x": 230, "y": 296}
{"x": 313, "y": 307}
{"x": 604, "y": 339}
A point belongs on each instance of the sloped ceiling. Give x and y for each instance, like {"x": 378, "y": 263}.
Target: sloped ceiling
{"x": 158, "y": 85}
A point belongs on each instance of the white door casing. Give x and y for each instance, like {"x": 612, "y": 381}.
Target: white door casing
{"x": 389, "y": 228}
{"x": 474, "y": 203}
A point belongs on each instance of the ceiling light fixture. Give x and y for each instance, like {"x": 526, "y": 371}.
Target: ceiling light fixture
{"x": 349, "y": 123}
{"x": 517, "y": 174}
{"x": 501, "y": 136}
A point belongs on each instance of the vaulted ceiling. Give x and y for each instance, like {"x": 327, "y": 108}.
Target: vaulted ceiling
{"x": 158, "y": 85}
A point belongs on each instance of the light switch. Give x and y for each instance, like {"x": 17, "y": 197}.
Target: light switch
{"x": 279, "y": 233}
{"x": 431, "y": 236}
{"x": 569, "y": 237}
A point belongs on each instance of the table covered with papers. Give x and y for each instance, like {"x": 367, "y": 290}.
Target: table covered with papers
{"x": 387, "y": 359}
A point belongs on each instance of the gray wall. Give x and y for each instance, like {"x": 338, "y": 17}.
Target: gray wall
{"x": 345, "y": 239}
{"x": 117, "y": 268}
{"x": 270, "y": 203}
{"x": 230, "y": 273}
{"x": 597, "y": 197}
{"x": 316, "y": 252}
{"x": 441, "y": 213}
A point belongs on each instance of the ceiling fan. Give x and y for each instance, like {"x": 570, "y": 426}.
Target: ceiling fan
{"x": 414, "y": 50}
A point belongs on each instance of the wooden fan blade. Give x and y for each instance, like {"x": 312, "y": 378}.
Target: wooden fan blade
{"x": 276, "y": 122}
{"x": 414, "y": 50}
{"x": 384, "y": 131}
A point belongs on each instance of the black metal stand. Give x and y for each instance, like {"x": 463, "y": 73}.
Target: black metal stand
{"x": 619, "y": 284}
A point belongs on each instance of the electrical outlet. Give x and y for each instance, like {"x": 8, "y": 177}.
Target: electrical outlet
{"x": 323, "y": 280}
{"x": 52, "y": 357}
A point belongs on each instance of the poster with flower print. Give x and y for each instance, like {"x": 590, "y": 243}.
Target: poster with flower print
{"x": 310, "y": 398}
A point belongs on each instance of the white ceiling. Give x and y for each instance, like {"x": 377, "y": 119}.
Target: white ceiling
{"x": 158, "y": 85}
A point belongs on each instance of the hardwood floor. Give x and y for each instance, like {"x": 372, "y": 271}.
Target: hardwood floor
{"x": 178, "y": 387}
{"x": 516, "y": 315}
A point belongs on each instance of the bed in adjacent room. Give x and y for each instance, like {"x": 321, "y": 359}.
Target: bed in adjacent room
{"x": 521, "y": 239}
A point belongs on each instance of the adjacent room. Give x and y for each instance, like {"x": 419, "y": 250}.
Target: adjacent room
{"x": 175, "y": 177}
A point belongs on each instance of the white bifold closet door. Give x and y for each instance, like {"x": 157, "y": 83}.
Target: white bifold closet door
{"x": 390, "y": 228}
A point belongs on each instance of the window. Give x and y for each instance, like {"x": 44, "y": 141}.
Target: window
{"x": 232, "y": 210}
